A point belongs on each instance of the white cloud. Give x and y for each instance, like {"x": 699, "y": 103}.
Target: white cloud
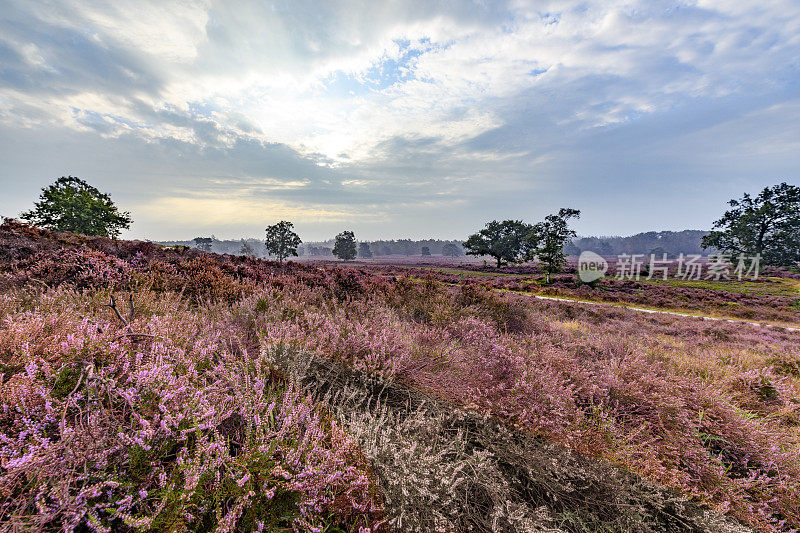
{"x": 391, "y": 95}
{"x": 268, "y": 62}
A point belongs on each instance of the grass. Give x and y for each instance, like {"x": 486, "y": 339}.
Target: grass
{"x": 676, "y": 310}
{"x": 765, "y": 286}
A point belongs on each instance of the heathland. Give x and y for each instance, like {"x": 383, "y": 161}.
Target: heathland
{"x": 156, "y": 389}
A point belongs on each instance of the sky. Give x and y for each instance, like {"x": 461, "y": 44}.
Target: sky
{"x": 399, "y": 119}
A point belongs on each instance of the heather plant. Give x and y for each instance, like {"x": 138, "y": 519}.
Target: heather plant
{"x": 171, "y": 426}
{"x": 602, "y": 390}
{"x": 175, "y": 401}
{"x": 442, "y": 468}
{"x": 770, "y": 299}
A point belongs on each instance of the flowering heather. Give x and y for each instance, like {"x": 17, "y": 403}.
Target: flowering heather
{"x": 167, "y": 424}
{"x": 173, "y": 417}
{"x": 774, "y": 297}
{"x": 708, "y": 409}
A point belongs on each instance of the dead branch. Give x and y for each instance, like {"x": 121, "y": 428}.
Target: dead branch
{"x": 113, "y": 306}
{"x": 130, "y": 303}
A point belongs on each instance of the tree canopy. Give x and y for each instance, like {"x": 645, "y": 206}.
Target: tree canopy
{"x": 513, "y": 241}
{"x": 203, "y": 243}
{"x": 451, "y": 250}
{"x": 767, "y": 225}
{"x": 364, "y": 250}
{"x": 552, "y": 235}
{"x": 246, "y": 250}
{"x": 345, "y": 246}
{"x": 508, "y": 241}
{"x": 71, "y": 204}
{"x": 281, "y": 240}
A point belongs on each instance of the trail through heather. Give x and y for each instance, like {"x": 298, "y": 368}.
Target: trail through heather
{"x": 659, "y": 312}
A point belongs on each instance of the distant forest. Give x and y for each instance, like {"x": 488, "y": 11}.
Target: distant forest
{"x": 406, "y": 247}
{"x": 672, "y": 243}
{"x": 656, "y": 242}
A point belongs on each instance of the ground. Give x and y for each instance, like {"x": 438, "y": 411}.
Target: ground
{"x": 233, "y": 394}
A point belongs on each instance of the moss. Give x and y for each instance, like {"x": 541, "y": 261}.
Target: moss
{"x": 786, "y": 366}
{"x": 66, "y": 381}
{"x": 204, "y": 365}
{"x": 8, "y": 370}
{"x": 262, "y": 306}
{"x": 276, "y": 513}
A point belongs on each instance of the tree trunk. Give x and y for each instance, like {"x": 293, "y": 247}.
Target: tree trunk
{"x": 760, "y": 241}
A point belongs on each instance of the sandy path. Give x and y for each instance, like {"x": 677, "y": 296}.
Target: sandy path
{"x": 655, "y": 311}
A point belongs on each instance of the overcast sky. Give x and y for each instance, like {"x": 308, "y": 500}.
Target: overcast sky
{"x": 400, "y": 119}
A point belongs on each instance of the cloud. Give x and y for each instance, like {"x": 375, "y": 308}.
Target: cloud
{"x": 470, "y": 109}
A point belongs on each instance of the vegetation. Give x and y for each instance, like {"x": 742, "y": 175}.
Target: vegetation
{"x": 246, "y": 249}
{"x": 71, "y": 204}
{"x": 513, "y": 241}
{"x": 767, "y": 225}
{"x": 282, "y": 241}
{"x": 203, "y": 243}
{"x": 451, "y": 250}
{"x": 364, "y": 251}
{"x": 508, "y": 241}
{"x": 673, "y": 243}
{"x": 176, "y": 411}
{"x": 773, "y": 297}
{"x": 552, "y": 235}
{"x": 345, "y": 246}
{"x": 406, "y": 247}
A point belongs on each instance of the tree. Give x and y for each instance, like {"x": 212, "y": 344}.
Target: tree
{"x": 203, "y": 243}
{"x": 451, "y": 250}
{"x": 246, "y": 250}
{"x": 364, "y": 250}
{"x": 318, "y": 251}
{"x": 507, "y": 241}
{"x": 281, "y": 240}
{"x": 425, "y": 251}
{"x": 345, "y": 246}
{"x": 406, "y": 246}
{"x": 71, "y": 204}
{"x": 551, "y": 236}
{"x": 767, "y": 225}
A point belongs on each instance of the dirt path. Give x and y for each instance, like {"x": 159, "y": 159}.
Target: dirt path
{"x": 659, "y": 312}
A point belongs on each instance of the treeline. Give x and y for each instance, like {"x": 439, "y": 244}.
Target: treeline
{"x": 228, "y": 246}
{"x": 671, "y": 243}
{"x": 765, "y": 226}
{"x": 405, "y": 247}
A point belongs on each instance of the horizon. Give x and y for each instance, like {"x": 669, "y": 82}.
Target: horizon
{"x": 429, "y": 238}
{"x": 400, "y": 118}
